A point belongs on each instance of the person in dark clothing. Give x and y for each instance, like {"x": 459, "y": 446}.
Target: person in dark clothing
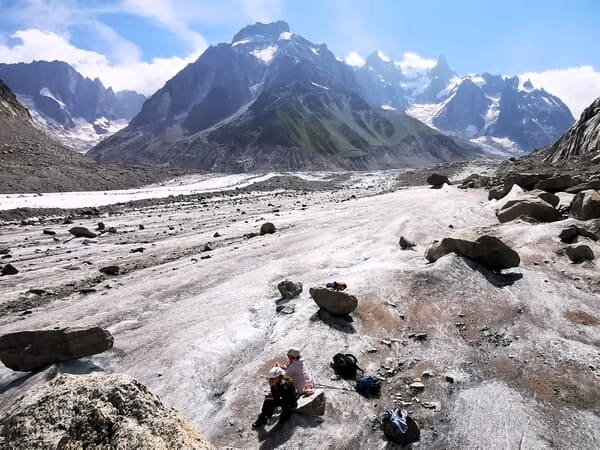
{"x": 282, "y": 394}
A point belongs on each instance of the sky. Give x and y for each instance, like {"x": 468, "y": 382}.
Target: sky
{"x": 140, "y": 44}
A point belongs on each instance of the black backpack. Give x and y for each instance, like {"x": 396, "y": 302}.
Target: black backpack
{"x": 402, "y": 431}
{"x": 345, "y": 365}
{"x": 368, "y": 386}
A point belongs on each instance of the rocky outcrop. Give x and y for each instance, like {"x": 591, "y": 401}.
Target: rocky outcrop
{"x": 586, "y": 205}
{"x": 529, "y": 207}
{"x": 336, "y": 302}
{"x": 31, "y": 350}
{"x": 289, "y": 289}
{"x": 96, "y": 411}
{"x": 489, "y": 251}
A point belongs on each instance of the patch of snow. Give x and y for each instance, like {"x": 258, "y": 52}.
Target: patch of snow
{"x": 285, "y": 36}
{"x": 498, "y": 147}
{"x": 477, "y": 79}
{"x": 471, "y": 130}
{"x": 46, "y": 93}
{"x": 388, "y": 107}
{"x": 266, "y": 54}
{"x": 314, "y": 50}
{"x": 242, "y": 42}
{"x": 319, "y": 85}
{"x": 425, "y": 112}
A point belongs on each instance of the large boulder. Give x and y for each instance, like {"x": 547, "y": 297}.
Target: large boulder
{"x": 32, "y": 350}
{"x": 9, "y": 269}
{"x": 267, "y": 228}
{"x": 82, "y": 232}
{"x": 580, "y": 253}
{"x": 95, "y": 411}
{"x": 313, "y": 404}
{"x": 570, "y": 234}
{"x": 288, "y": 289}
{"x": 436, "y": 179}
{"x": 489, "y": 251}
{"x": 336, "y": 302}
{"x": 558, "y": 183}
{"x": 548, "y": 197}
{"x": 586, "y": 205}
{"x": 531, "y": 207}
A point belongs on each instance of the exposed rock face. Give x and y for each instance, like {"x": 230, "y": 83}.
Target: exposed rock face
{"x": 555, "y": 184}
{"x": 580, "y": 253}
{"x": 488, "y": 251}
{"x": 31, "y": 350}
{"x": 96, "y": 411}
{"x": 336, "y": 302}
{"x": 582, "y": 140}
{"x": 82, "y": 232}
{"x": 289, "y": 289}
{"x": 548, "y": 197}
{"x": 586, "y": 205}
{"x": 531, "y": 207}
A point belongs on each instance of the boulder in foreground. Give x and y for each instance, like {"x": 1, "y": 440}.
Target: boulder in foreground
{"x": 267, "y": 228}
{"x": 82, "y": 232}
{"x": 586, "y": 205}
{"x": 489, "y": 251}
{"x": 96, "y": 411}
{"x": 531, "y": 207}
{"x": 437, "y": 180}
{"x": 580, "y": 253}
{"x": 31, "y": 350}
{"x": 336, "y": 302}
{"x": 289, "y": 289}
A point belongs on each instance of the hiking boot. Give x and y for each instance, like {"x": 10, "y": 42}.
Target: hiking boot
{"x": 259, "y": 422}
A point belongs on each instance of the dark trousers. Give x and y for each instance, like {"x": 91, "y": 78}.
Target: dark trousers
{"x": 269, "y": 406}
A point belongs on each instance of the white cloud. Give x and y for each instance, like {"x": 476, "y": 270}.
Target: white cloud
{"x": 578, "y": 87}
{"x": 144, "y": 77}
{"x": 354, "y": 59}
{"x": 262, "y": 10}
{"x": 413, "y": 65}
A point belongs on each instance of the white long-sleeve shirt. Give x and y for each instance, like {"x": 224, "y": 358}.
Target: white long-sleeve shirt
{"x": 299, "y": 374}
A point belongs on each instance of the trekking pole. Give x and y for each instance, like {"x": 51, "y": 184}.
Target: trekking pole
{"x": 325, "y": 386}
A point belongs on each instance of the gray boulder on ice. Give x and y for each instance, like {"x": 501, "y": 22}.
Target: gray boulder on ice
{"x": 586, "y": 205}
{"x": 289, "y": 289}
{"x": 267, "y": 228}
{"x": 31, "y": 350}
{"x": 405, "y": 243}
{"x": 9, "y": 269}
{"x": 531, "y": 207}
{"x": 436, "y": 179}
{"x": 580, "y": 253}
{"x": 570, "y": 234}
{"x": 489, "y": 251}
{"x": 313, "y": 404}
{"x": 96, "y": 411}
{"x": 82, "y": 232}
{"x": 336, "y": 302}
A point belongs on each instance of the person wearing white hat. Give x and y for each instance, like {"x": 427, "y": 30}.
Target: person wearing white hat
{"x": 282, "y": 394}
{"x": 297, "y": 370}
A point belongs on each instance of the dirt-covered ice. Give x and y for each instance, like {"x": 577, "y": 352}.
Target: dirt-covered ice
{"x": 511, "y": 360}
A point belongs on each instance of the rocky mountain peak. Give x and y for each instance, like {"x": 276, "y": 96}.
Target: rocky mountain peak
{"x": 528, "y": 85}
{"x": 262, "y": 31}
{"x": 442, "y": 69}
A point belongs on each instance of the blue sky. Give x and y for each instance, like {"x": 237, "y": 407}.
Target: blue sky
{"x": 140, "y": 43}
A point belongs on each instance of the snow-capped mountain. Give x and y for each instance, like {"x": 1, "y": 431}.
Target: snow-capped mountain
{"x": 499, "y": 113}
{"x": 76, "y": 110}
{"x": 272, "y": 99}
